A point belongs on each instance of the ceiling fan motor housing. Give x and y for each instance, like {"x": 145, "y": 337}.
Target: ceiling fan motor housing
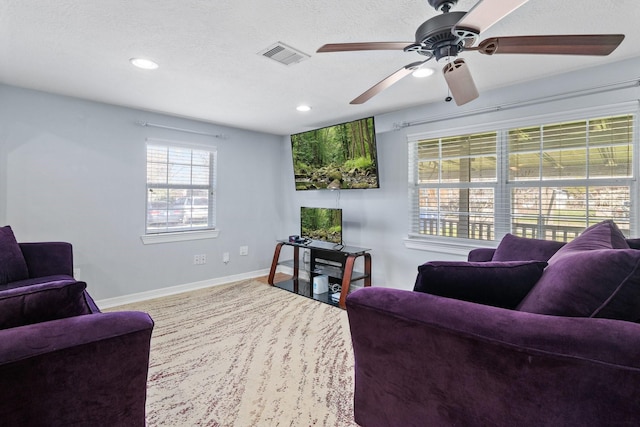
{"x": 435, "y": 38}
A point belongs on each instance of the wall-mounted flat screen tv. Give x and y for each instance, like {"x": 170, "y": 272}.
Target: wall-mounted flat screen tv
{"x": 337, "y": 157}
{"x": 323, "y": 224}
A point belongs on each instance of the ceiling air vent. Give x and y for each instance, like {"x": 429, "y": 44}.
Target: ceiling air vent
{"x": 283, "y": 54}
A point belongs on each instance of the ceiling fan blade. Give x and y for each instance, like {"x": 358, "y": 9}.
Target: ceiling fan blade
{"x": 385, "y": 83}
{"x": 460, "y": 82}
{"x": 486, "y": 13}
{"x": 589, "y": 44}
{"x": 348, "y": 47}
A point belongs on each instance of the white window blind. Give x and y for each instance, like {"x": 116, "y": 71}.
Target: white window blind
{"x": 548, "y": 181}
{"x": 181, "y": 193}
{"x": 455, "y": 183}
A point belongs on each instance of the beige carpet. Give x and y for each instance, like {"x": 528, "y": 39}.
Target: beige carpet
{"x": 248, "y": 354}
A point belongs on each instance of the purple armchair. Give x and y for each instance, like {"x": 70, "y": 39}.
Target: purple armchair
{"x": 423, "y": 359}
{"x": 62, "y": 361}
{"x": 87, "y": 370}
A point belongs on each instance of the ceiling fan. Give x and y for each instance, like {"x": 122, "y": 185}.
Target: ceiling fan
{"x": 445, "y": 36}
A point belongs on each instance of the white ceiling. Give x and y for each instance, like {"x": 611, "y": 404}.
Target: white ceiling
{"x": 210, "y": 68}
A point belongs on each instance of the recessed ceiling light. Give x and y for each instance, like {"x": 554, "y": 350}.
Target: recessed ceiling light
{"x": 423, "y": 72}
{"x": 303, "y": 108}
{"x": 145, "y": 64}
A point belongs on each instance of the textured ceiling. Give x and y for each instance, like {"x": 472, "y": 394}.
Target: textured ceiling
{"x": 210, "y": 68}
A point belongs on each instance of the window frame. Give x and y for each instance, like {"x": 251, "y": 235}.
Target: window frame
{"x": 502, "y": 203}
{"x": 190, "y": 232}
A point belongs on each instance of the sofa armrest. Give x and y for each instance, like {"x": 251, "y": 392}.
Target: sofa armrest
{"x": 48, "y": 258}
{"x": 84, "y": 370}
{"x": 480, "y": 255}
{"x": 423, "y": 357}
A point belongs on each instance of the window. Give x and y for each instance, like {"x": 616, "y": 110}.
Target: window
{"x": 180, "y": 188}
{"x": 547, "y": 181}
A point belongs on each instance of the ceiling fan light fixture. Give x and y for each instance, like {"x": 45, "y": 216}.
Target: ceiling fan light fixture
{"x": 460, "y": 81}
{"x": 145, "y": 64}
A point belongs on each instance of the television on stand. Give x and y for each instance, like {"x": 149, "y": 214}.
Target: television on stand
{"x": 337, "y": 157}
{"x": 321, "y": 224}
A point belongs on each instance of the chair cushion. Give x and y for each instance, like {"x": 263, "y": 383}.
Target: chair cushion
{"x": 514, "y": 248}
{"x": 500, "y": 284}
{"x": 595, "y": 275}
{"x": 595, "y": 283}
{"x": 12, "y": 264}
{"x": 603, "y": 235}
{"x": 41, "y": 303}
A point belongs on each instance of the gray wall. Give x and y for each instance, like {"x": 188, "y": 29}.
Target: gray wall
{"x": 74, "y": 170}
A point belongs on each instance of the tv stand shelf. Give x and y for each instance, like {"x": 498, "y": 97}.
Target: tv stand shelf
{"x": 335, "y": 261}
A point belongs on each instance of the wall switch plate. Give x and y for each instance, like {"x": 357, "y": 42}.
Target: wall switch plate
{"x": 225, "y": 257}
{"x": 244, "y": 250}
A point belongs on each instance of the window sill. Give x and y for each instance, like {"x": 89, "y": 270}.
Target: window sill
{"x": 152, "y": 239}
{"x": 448, "y": 246}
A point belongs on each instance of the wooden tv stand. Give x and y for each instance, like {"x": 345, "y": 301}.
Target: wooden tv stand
{"x": 335, "y": 261}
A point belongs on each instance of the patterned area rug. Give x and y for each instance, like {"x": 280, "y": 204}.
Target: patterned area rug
{"x": 248, "y": 354}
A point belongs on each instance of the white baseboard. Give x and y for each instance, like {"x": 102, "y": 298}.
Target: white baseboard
{"x": 172, "y": 290}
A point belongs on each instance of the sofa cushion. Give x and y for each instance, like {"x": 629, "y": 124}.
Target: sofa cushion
{"x": 12, "y": 264}
{"x": 592, "y": 283}
{"x": 41, "y": 303}
{"x": 603, "y": 235}
{"x": 500, "y": 284}
{"x": 514, "y": 248}
{"x": 595, "y": 275}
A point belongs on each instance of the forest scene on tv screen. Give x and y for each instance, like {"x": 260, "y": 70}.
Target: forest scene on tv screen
{"x": 336, "y": 157}
{"x": 321, "y": 224}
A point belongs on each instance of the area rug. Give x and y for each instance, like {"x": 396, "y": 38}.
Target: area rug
{"x": 248, "y": 354}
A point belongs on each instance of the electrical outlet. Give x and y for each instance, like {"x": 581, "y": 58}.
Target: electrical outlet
{"x": 225, "y": 257}
{"x": 244, "y": 250}
{"x": 200, "y": 259}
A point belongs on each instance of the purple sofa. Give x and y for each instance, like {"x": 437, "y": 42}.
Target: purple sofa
{"x": 562, "y": 349}
{"x": 62, "y": 361}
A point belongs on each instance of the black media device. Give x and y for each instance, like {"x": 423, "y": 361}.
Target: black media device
{"x": 297, "y": 239}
